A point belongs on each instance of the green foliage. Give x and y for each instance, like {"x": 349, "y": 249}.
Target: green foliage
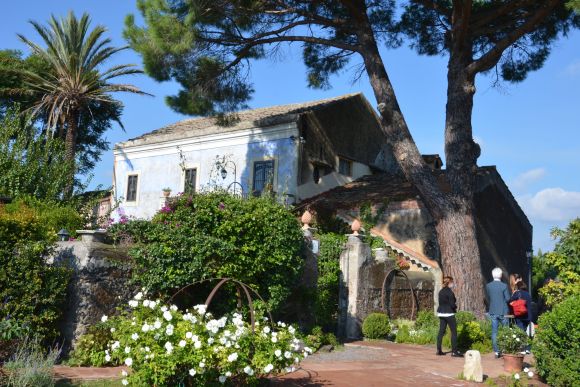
{"x": 212, "y": 235}
{"x": 489, "y": 23}
{"x": 541, "y": 272}
{"x": 31, "y": 291}
{"x": 463, "y": 317}
{"x": 426, "y": 319}
{"x": 557, "y": 343}
{"x": 317, "y": 338}
{"x": 511, "y": 340}
{"x": 326, "y": 307}
{"x": 90, "y": 348}
{"x": 376, "y": 326}
{"x": 30, "y": 366}
{"x": 31, "y": 164}
{"x": 565, "y": 261}
{"x": 468, "y": 334}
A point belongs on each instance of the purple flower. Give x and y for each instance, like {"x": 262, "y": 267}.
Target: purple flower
{"x": 166, "y": 209}
{"x": 222, "y": 206}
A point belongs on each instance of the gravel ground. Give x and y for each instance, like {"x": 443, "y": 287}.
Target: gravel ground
{"x": 348, "y": 353}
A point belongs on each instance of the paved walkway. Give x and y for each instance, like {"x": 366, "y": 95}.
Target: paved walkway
{"x": 360, "y": 364}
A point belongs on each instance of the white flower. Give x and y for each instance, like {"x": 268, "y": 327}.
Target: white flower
{"x": 268, "y": 368}
{"x": 113, "y": 329}
{"x": 192, "y": 372}
{"x": 107, "y": 357}
{"x": 147, "y": 349}
{"x": 115, "y": 345}
{"x": 287, "y": 354}
{"x": 514, "y": 336}
{"x": 517, "y": 339}
{"x": 296, "y": 360}
{"x": 128, "y": 362}
{"x": 145, "y": 327}
{"x": 146, "y": 303}
{"x": 531, "y": 374}
{"x": 291, "y": 329}
{"x": 526, "y": 369}
{"x": 124, "y": 373}
{"x": 104, "y": 318}
{"x": 188, "y": 335}
{"x": 308, "y": 349}
{"x": 210, "y": 340}
{"x": 228, "y": 374}
{"x": 134, "y": 336}
{"x": 197, "y": 344}
{"x": 152, "y": 304}
{"x": 164, "y": 308}
{"x": 274, "y": 339}
{"x": 233, "y": 357}
{"x": 200, "y": 309}
{"x": 516, "y": 376}
{"x": 168, "y": 347}
{"x": 201, "y": 364}
{"x": 169, "y": 330}
{"x": 173, "y": 308}
{"x": 157, "y": 324}
{"x": 222, "y": 379}
{"x": 127, "y": 349}
{"x": 248, "y": 370}
{"x": 139, "y": 296}
{"x": 124, "y": 382}
{"x": 278, "y": 353}
{"x": 167, "y": 315}
{"x": 182, "y": 343}
{"x": 266, "y": 329}
{"x": 133, "y": 303}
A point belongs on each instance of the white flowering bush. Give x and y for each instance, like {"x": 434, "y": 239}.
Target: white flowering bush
{"x": 165, "y": 346}
{"x": 511, "y": 340}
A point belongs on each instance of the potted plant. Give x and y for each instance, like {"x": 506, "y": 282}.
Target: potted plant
{"x": 166, "y": 191}
{"x": 512, "y": 341}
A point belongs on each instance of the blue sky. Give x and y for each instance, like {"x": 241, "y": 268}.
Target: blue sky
{"x": 530, "y": 131}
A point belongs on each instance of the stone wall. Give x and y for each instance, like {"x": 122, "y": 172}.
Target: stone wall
{"x": 362, "y": 277}
{"x": 97, "y": 287}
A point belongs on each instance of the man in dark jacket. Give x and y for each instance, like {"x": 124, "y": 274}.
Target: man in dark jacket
{"x": 497, "y": 297}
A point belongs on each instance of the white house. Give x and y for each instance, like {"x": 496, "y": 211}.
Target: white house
{"x": 296, "y": 151}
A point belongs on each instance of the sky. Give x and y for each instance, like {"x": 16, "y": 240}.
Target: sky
{"x": 530, "y": 131}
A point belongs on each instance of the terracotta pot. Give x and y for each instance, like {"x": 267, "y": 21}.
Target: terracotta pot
{"x": 513, "y": 362}
{"x": 166, "y": 193}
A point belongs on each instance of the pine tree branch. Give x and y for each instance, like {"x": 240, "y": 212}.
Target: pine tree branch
{"x": 490, "y": 59}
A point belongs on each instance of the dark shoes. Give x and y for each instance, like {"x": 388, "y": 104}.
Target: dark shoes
{"x": 439, "y": 353}
{"x": 456, "y": 354}
{"x": 497, "y": 355}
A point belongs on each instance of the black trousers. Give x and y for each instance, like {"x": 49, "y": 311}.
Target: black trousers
{"x": 443, "y": 322}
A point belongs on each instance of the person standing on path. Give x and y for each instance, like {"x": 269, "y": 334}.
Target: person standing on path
{"x": 497, "y": 297}
{"x": 522, "y": 294}
{"x": 446, "y": 313}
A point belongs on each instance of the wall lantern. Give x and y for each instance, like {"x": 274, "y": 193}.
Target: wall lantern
{"x": 224, "y": 173}
{"x": 63, "y": 235}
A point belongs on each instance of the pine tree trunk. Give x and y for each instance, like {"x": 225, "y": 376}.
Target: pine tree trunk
{"x": 452, "y": 212}
{"x": 70, "y": 142}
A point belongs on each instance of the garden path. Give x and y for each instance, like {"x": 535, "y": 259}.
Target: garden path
{"x": 359, "y": 364}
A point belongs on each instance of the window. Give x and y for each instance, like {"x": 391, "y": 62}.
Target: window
{"x": 132, "y": 181}
{"x": 316, "y": 174}
{"x": 263, "y": 175}
{"x": 344, "y": 167}
{"x": 190, "y": 179}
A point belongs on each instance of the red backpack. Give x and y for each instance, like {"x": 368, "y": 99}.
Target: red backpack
{"x": 519, "y": 307}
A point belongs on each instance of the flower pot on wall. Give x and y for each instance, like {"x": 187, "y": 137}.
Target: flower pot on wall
{"x": 512, "y": 362}
{"x": 166, "y": 193}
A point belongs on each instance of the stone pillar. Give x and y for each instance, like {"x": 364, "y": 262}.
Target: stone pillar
{"x": 438, "y": 284}
{"x": 351, "y": 260}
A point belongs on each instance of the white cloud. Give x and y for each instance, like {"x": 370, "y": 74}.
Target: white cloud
{"x": 573, "y": 69}
{"x": 551, "y": 205}
{"x": 523, "y": 180}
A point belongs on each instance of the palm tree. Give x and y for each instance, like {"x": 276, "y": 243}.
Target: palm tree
{"x": 75, "y": 81}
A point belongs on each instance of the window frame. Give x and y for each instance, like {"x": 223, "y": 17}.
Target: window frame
{"x": 274, "y": 164}
{"x": 342, "y": 160}
{"x": 137, "y": 188}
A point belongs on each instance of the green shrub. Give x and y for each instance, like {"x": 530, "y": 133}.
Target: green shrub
{"x": 557, "y": 344}
{"x": 462, "y": 317}
{"x": 317, "y": 338}
{"x": 403, "y": 335}
{"x": 90, "y": 348}
{"x": 326, "y": 306}
{"x": 376, "y": 326}
{"x": 426, "y": 319}
{"x": 256, "y": 241}
{"x": 30, "y": 366}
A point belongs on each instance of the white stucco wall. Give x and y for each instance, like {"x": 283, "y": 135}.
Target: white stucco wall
{"x": 158, "y": 165}
{"x": 333, "y": 179}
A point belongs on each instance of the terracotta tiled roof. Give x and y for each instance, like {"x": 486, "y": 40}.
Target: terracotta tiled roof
{"x": 245, "y": 119}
